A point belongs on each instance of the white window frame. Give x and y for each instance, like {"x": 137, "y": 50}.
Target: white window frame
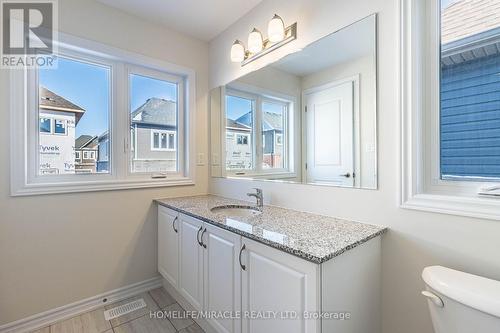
{"x": 77, "y": 155}
{"x": 25, "y": 179}
{"x": 421, "y": 185}
{"x": 259, "y": 96}
{"x": 160, "y": 132}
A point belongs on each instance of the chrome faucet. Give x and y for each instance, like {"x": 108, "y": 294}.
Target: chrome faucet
{"x": 259, "y": 196}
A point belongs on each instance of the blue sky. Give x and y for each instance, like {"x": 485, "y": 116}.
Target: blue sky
{"x": 446, "y": 3}
{"x": 143, "y": 88}
{"x": 236, "y": 107}
{"x": 88, "y": 87}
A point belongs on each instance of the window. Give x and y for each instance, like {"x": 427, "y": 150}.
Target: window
{"x": 244, "y": 110}
{"x": 279, "y": 139}
{"x": 77, "y": 106}
{"x": 240, "y": 110}
{"x": 451, "y": 102}
{"x": 163, "y": 140}
{"x": 60, "y": 126}
{"x": 154, "y": 121}
{"x": 469, "y": 92}
{"x": 273, "y": 126}
{"x": 242, "y": 139}
{"x": 76, "y": 97}
{"x": 45, "y": 125}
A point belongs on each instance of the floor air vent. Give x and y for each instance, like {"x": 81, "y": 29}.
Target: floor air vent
{"x": 124, "y": 309}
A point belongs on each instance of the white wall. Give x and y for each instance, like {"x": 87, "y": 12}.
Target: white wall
{"x": 58, "y": 249}
{"x": 416, "y": 238}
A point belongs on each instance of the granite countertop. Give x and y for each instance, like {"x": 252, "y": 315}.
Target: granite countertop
{"x": 315, "y": 238}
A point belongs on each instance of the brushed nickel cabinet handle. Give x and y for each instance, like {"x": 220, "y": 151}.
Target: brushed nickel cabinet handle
{"x": 203, "y": 244}
{"x": 198, "y": 236}
{"x": 243, "y": 267}
{"x": 173, "y": 224}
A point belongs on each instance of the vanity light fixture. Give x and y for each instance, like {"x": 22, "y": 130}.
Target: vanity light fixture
{"x": 237, "y": 51}
{"x": 276, "y": 29}
{"x": 255, "y": 41}
{"x": 278, "y": 36}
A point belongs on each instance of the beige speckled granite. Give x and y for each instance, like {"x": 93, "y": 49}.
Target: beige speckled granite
{"x": 312, "y": 237}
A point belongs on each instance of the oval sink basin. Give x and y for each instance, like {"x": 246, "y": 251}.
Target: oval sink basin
{"x": 237, "y": 211}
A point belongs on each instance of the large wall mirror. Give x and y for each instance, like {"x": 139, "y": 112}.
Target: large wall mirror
{"x": 310, "y": 117}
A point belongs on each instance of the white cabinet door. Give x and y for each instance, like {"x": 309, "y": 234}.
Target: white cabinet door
{"x": 277, "y": 283}
{"x": 168, "y": 245}
{"x": 222, "y": 280}
{"x": 191, "y": 260}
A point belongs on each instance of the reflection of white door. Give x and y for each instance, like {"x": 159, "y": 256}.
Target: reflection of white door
{"x": 330, "y": 125}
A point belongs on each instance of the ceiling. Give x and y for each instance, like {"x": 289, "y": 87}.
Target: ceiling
{"x": 201, "y": 19}
{"x": 352, "y": 42}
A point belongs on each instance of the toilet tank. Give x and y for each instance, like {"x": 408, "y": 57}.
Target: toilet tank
{"x": 460, "y": 302}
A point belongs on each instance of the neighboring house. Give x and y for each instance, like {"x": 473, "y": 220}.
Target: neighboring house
{"x": 239, "y": 146}
{"x": 86, "y": 154}
{"x": 272, "y": 140}
{"x": 57, "y": 121}
{"x": 103, "y": 152}
{"x": 154, "y": 136}
{"x": 470, "y": 89}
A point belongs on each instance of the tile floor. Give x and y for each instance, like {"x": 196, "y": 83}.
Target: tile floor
{"x": 138, "y": 321}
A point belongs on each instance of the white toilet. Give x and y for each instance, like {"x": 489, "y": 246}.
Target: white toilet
{"x": 460, "y": 302}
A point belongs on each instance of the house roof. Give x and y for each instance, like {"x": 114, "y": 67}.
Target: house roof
{"x": 470, "y": 30}
{"x": 270, "y": 120}
{"x": 464, "y": 18}
{"x": 84, "y": 141}
{"x": 52, "y": 101}
{"x": 156, "y": 111}
{"x": 232, "y": 124}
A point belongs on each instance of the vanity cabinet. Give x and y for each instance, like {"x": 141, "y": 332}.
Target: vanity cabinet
{"x": 191, "y": 260}
{"x": 222, "y": 276}
{"x": 168, "y": 245}
{"x": 265, "y": 289}
{"x": 279, "y": 285}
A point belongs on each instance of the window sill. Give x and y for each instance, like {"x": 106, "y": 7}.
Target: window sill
{"x": 41, "y": 189}
{"x": 477, "y": 207}
{"x": 262, "y": 176}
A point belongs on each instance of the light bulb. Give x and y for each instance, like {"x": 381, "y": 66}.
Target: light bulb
{"x": 255, "y": 42}
{"x": 276, "y": 29}
{"x": 237, "y": 52}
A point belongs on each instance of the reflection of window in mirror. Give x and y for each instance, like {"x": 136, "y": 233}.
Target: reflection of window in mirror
{"x": 273, "y": 128}
{"x": 240, "y": 110}
{"x": 250, "y": 116}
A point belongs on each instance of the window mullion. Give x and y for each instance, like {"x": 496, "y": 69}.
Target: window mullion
{"x": 258, "y": 153}
{"x": 119, "y": 130}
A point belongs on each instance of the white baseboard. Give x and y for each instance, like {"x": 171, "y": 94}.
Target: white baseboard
{"x": 46, "y": 318}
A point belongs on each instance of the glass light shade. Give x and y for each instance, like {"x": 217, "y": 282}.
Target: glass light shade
{"x": 255, "y": 42}
{"x": 237, "y": 52}
{"x": 276, "y": 29}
